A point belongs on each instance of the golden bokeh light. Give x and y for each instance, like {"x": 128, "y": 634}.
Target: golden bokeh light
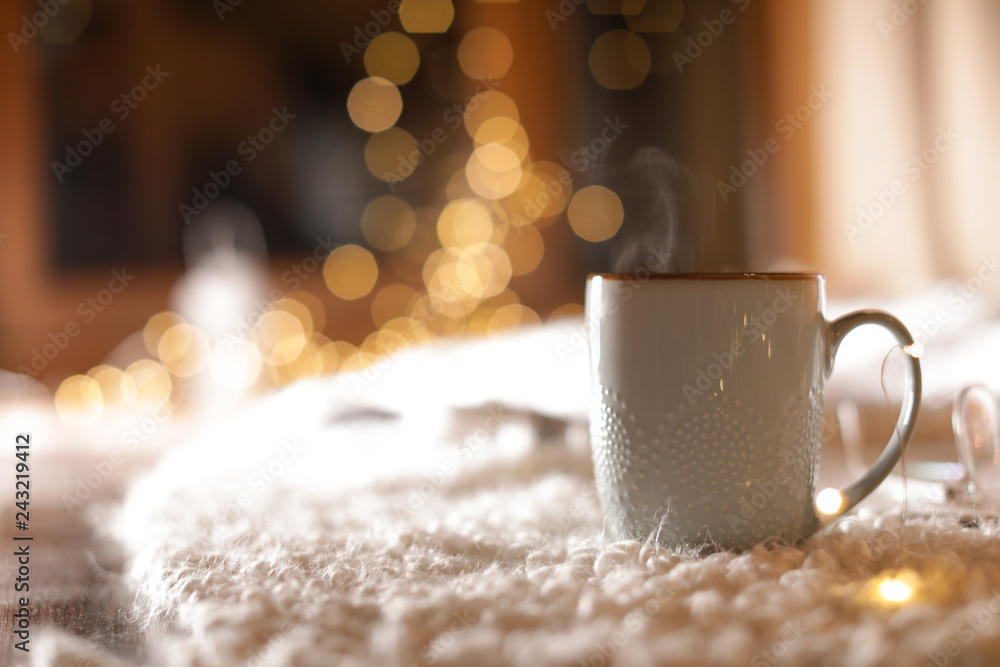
{"x": 155, "y": 327}
{"x": 656, "y": 16}
{"x": 399, "y": 333}
{"x": 619, "y": 60}
{"x": 392, "y": 301}
{"x": 117, "y": 388}
{"x": 485, "y": 105}
{"x": 525, "y": 248}
{"x": 500, "y": 224}
{"x": 330, "y": 354}
{"x": 493, "y": 171}
{"x": 316, "y": 310}
{"x": 465, "y": 222}
{"x": 510, "y": 316}
{"x": 595, "y": 213}
{"x": 504, "y": 298}
{"x": 357, "y": 361}
{"x": 279, "y": 336}
{"x": 298, "y": 310}
{"x": 392, "y": 56}
{"x": 829, "y": 502}
{"x": 350, "y": 272}
{"x": 183, "y": 350}
{"x": 436, "y": 323}
{"x": 558, "y": 183}
{"x": 313, "y": 360}
{"x": 895, "y": 590}
{"x": 392, "y": 155}
{"x": 78, "y": 400}
{"x": 374, "y": 104}
{"x": 505, "y": 131}
{"x": 458, "y": 186}
{"x": 426, "y": 15}
{"x": 615, "y": 6}
{"x": 388, "y": 223}
{"x": 478, "y": 322}
{"x": 457, "y": 280}
{"x": 492, "y": 261}
{"x": 234, "y": 364}
{"x": 343, "y": 351}
{"x": 152, "y": 381}
{"x": 544, "y": 192}
{"x": 407, "y": 262}
{"x": 370, "y": 345}
{"x": 566, "y": 311}
{"x": 485, "y": 53}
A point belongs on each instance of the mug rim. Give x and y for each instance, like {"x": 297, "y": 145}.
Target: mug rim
{"x": 735, "y": 275}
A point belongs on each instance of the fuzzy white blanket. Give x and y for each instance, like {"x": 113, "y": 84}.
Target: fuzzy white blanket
{"x": 311, "y": 533}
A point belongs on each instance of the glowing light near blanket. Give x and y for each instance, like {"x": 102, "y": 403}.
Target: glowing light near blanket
{"x": 117, "y": 387}
{"x": 829, "y": 502}
{"x": 915, "y": 350}
{"x": 79, "y": 400}
{"x": 895, "y": 590}
{"x": 152, "y": 381}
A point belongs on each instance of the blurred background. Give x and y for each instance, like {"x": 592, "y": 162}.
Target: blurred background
{"x": 221, "y": 197}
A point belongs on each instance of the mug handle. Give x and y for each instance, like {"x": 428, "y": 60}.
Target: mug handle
{"x": 901, "y": 435}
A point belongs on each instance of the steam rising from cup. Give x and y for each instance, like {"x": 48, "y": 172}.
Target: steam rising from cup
{"x": 662, "y": 213}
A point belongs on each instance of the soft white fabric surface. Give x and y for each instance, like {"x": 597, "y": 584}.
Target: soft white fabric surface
{"x": 454, "y": 531}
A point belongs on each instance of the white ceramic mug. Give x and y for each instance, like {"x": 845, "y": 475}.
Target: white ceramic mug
{"x": 707, "y": 414}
